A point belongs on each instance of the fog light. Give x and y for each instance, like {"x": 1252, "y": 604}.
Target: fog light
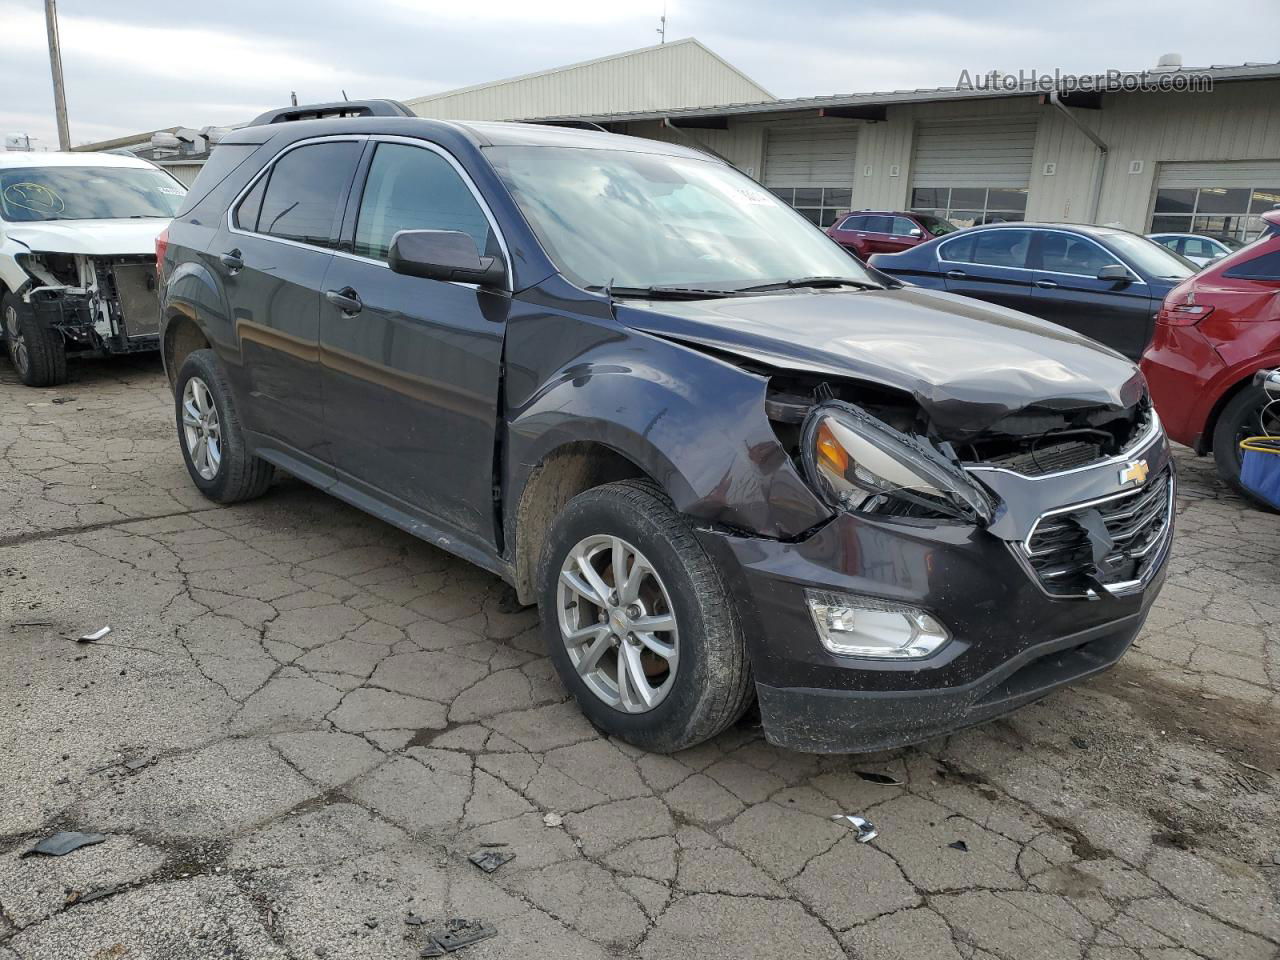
{"x": 852, "y": 626}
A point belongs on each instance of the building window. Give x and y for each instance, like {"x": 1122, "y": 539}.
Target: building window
{"x": 971, "y": 206}
{"x": 1228, "y": 211}
{"x": 820, "y": 204}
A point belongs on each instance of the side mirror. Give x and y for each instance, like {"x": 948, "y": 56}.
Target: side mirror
{"x": 915, "y": 232}
{"x": 444, "y": 255}
{"x": 1115, "y": 273}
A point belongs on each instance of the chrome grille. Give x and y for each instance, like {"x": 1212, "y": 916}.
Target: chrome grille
{"x": 1138, "y": 521}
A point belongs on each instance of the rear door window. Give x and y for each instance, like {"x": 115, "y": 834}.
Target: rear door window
{"x": 413, "y": 188}
{"x": 994, "y": 248}
{"x": 878, "y": 224}
{"x": 304, "y": 193}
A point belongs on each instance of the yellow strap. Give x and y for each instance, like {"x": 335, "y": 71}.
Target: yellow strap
{"x": 1261, "y": 444}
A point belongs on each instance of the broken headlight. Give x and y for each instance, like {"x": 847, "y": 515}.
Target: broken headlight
{"x": 858, "y": 463}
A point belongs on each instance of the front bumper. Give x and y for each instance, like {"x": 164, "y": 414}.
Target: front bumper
{"x": 1012, "y": 642}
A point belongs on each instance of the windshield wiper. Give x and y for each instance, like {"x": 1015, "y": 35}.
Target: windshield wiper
{"x": 811, "y": 282}
{"x": 662, "y": 293}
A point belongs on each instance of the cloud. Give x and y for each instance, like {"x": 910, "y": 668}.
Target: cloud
{"x": 147, "y": 64}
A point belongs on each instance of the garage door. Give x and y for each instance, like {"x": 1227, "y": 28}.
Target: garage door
{"x": 813, "y": 169}
{"x": 1223, "y": 198}
{"x": 973, "y": 171}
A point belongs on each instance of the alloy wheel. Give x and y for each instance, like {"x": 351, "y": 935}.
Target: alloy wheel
{"x": 201, "y": 428}
{"x": 617, "y": 624}
{"x": 18, "y": 355}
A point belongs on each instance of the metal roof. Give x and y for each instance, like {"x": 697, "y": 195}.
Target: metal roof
{"x": 1218, "y": 73}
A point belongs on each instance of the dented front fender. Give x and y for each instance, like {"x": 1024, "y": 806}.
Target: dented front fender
{"x": 694, "y": 423}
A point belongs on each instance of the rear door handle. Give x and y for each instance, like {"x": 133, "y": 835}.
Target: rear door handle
{"x": 1046, "y": 285}
{"x": 232, "y": 260}
{"x": 956, "y": 275}
{"x": 346, "y": 300}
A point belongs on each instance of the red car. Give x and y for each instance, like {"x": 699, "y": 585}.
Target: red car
{"x": 1213, "y": 333}
{"x": 865, "y": 232}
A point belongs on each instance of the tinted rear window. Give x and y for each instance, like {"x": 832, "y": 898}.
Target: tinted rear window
{"x": 1265, "y": 267}
{"x": 306, "y": 186}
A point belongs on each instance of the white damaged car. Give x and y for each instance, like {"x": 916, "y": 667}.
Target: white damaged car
{"x": 77, "y": 257}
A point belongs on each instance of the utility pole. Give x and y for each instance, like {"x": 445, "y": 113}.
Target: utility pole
{"x": 55, "y": 64}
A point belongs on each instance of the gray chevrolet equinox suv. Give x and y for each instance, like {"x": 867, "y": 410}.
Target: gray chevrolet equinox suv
{"x": 728, "y": 462}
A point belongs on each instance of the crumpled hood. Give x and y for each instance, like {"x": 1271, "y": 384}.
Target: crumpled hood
{"x": 968, "y": 364}
{"x": 93, "y": 237}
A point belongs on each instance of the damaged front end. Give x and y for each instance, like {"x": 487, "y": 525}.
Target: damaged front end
{"x": 101, "y": 305}
{"x": 1081, "y": 493}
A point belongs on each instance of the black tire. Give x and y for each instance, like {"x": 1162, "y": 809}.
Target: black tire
{"x": 712, "y": 684}
{"x": 239, "y": 475}
{"x": 1241, "y": 417}
{"x": 37, "y": 353}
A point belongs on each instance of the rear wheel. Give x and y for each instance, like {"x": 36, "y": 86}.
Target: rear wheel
{"x": 213, "y": 442}
{"x": 1245, "y": 415}
{"x": 36, "y": 352}
{"x": 638, "y": 622}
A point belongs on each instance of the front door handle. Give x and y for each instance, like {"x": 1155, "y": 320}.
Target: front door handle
{"x": 956, "y": 275}
{"x": 1046, "y": 285}
{"x": 346, "y": 300}
{"x": 232, "y": 260}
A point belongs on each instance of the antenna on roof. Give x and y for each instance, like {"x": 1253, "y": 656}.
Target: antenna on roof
{"x": 662, "y": 25}
{"x": 344, "y": 96}
{"x": 293, "y": 97}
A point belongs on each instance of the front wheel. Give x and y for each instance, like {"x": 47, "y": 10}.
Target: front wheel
{"x": 213, "y": 442}
{"x": 1245, "y": 415}
{"x": 638, "y": 622}
{"x": 37, "y": 353}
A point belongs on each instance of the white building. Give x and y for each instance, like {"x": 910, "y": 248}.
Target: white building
{"x": 1145, "y": 160}
{"x": 1206, "y": 160}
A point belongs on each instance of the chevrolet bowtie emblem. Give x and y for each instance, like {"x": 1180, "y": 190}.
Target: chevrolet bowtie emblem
{"x": 1135, "y": 473}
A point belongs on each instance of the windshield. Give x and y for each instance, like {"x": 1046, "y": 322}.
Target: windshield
{"x": 1151, "y": 258}
{"x": 86, "y": 193}
{"x": 639, "y": 220}
{"x": 936, "y": 225}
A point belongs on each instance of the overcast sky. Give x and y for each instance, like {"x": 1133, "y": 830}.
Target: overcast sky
{"x": 134, "y": 65}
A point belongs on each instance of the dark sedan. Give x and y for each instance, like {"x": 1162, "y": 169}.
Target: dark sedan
{"x": 1100, "y": 281}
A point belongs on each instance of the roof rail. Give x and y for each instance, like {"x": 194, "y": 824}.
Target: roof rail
{"x": 342, "y": 108}
{"x": 573, "y": 124}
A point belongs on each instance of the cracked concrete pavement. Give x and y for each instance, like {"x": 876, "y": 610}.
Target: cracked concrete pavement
{"x": 303, "y": 721}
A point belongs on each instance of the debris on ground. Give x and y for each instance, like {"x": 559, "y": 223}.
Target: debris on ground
{"x": 449, "y": 935}
{"x": 1080, "y": 743}
{"x": 61, "y": 400}
{"x": 959, "y": 845}
{"x": 60, "y": 844}
{"x": 133, "y": 766}
{"x": 882, "y": 778}
{"x": 490, "y": 860}
{"x": 96, "y": 635}
{"x": 552, "y": 820}
{"x": 866, "y": 829}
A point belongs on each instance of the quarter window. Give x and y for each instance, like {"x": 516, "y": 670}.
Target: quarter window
{"x": 303, "y": 192}
{"x": 412, "y": 188}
